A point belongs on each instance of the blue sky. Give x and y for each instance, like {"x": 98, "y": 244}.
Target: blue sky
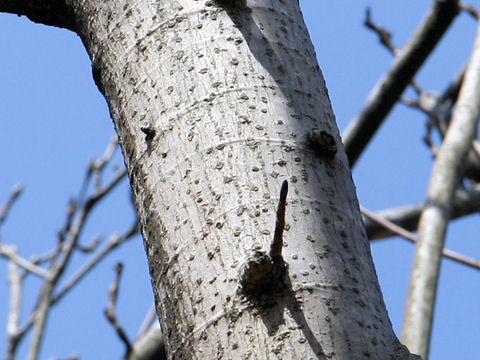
{"x": 53, "y": 120}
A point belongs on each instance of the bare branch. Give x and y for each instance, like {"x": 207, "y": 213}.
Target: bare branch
{"x": 41, "y": 259}
{"x": 99, "y": 165}
{"x": 150, "y": 346}
{"x": 10, "y": 252}
{"x": 471, "y": 10}
{"x": 49, "y": 12}
{"x": 103, "y": 191}
{"x": 148, "y": 321}
{"x": 77, "y": 214}
{"x": 115, "y": 240}
{"x": 466, "y": 202}
{"x": 5, "y": 209}
{"x": 386, "y": 93}
{"x": 91, "y": 246}
{"x": 110, "y": 311}
{"x": 59, "y": 264}
{"x": 15, "y": 280}
{"x": 96, "y": 169}
{"x": 462, "y": 259}
{"x": 437, "y": 108}
{"x": 40, "y": 319}
{"x": 436, "y": 215}
{"x": 384, "y": 35}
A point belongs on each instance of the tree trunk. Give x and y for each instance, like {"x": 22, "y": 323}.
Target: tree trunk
{"x": 216, "y": 103}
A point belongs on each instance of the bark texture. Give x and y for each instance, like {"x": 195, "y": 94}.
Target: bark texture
{"x": 215, "y": 104}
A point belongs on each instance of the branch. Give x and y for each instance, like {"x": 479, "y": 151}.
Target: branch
{"x": 397, "y": 230}
{"x": 471, "y": 10}
{"x": 110, "y": 311}
{"x": 49, "y": 12}
{"x": 115, "y": 240}
{"x": 10, "y": 252}
{"x": 59, "y": 263}
{"x": 147, "y": 322}
{"x": 434, "y": 219}
{"x": 466, "y": 202}
{"x": 96, "y": 169}
{"x": 150, "y": 346}
{"x": 439, "y": 109}
{"x": 77, "y": 215}
{"x": 40, "y": 319}
{"x": 386, "y": 93}
{"x": 15, "y": 280}
{"x": 384, "y": 35}
{"x": 16, "y": 192}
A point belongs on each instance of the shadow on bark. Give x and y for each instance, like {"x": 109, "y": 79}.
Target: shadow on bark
{"x": 271, "y": 307}
{"x": 274, "y": 57}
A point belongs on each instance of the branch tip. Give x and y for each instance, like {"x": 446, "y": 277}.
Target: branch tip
{"x": 277, "y": 243}
{"x": 284, "y": 191}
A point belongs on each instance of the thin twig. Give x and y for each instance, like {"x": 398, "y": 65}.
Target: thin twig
{"x": 469, "y": 9}
{"x": 41, "y": 259}
{"x": 86, "y": 268}
{"x": 386, "y": 93}
{"x": 384, "y": 35}
{"x": 5, "y": 209}
{"x": 102, "y": 191}
{"x": 71, "y": 211}
{"x": 452, "y": 255}
{"x": 10, "y": 252}
{"x": 115, "y": 240}
{"x": 96, "y": 167}
{"x": 77, "y": 214}
{"x": 107, "y": 156}
{"x": 148, "y": 321}
{"x": 466, "y": 202}
{"x": 99, "y": 165}
{"x": 58, "y": 266}
{"x": 91, "y": 246}
{"x": 110, "y": 311}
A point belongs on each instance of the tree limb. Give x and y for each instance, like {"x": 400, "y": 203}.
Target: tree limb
{"x": 115, "y": 240}
{"x": 110, "y": 312}
{"x": 5, "y": 209}
{"x": 434, "y": 219}
{"x": 397, "y": 230}
{"x": 49, "y": 12}
{"x": 15, "y": 280}
{"x": 386, "y": 93}
{"x": 466, "y": 202}
{"x": 150, "y": 346}
{"x": 10, "y": 252}
{"x": 56, "y": 262}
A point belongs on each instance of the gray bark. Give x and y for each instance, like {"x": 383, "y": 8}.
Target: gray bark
{"x": 214, "y": 107}
{"x": 432, "y": 227}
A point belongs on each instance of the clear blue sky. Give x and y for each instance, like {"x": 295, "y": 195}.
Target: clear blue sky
{"x": 53, "y": 120}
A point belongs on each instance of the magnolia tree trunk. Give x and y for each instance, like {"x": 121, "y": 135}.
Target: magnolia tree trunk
{"x": 216, "y": 104}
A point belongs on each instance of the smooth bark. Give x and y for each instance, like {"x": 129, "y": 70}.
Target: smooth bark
{"x": 215, "y": 105}
{"x": 446, "y": 176}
